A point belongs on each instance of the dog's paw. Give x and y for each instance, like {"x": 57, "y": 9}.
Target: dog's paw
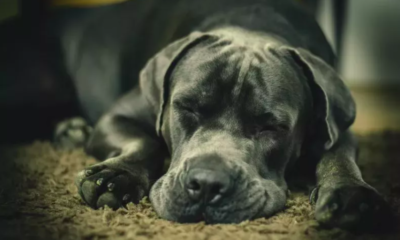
{"x": 100, "y": 185}
{"x": 72, "y": 133}
{"x": 352, "y": 207}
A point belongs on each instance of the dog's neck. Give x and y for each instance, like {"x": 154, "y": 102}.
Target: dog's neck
{"x": 253, "y": 25}
{"x": 246, "y": 37}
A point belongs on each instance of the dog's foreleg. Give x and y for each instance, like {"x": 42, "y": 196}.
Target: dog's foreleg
{"x": 342, "y": 198}
{"x": 133, "y": 157}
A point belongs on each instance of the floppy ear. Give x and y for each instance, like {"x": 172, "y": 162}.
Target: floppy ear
{"x": 154, "y": 76}
{"x": 336, "y": 109}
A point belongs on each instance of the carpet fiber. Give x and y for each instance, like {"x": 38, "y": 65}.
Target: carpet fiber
{"x": 38, "y": 200}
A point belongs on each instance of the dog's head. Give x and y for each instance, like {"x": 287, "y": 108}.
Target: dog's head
{"x": 233, "y": 116}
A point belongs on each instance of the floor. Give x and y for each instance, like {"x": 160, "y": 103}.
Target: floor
{"x": 38, "y": 200}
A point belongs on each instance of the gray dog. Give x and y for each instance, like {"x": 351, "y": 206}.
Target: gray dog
{"x": 237, "y": 93}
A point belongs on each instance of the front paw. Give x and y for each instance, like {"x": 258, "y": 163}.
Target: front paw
{"x": 101, "y": 185}
{"x": 351, "y": 206}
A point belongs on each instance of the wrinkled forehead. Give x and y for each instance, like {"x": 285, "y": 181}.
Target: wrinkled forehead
{"x": 223, "y": 71}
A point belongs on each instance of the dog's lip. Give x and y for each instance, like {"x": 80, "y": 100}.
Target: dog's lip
{"x": 204, "y": 217}
{"x": 201, "y": 214}
{"x": 204, "y": 212}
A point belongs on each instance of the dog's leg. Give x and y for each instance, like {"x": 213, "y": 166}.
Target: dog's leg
{"x": 342, "y": 198}
{"x": 132, "y": 152}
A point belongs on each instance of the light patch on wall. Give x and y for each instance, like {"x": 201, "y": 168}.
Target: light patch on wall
{"x": 326, "y": 21}
{"x": 372, "y": 43}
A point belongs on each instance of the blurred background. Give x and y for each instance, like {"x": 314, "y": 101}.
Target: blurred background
{"x": 364, "y": 33}
{"x": 369, "y": 54}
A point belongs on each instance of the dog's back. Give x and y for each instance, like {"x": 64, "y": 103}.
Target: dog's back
{"x": 106, "y": 48}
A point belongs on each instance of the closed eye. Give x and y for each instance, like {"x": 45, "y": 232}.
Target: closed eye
{"x": 272, "y": 127}
{"x": 269, "y": 123}
{"x": 185, "y": 108}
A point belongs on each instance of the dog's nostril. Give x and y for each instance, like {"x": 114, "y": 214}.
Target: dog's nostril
{"x": 194, "y": 189}
{"x": 193, "y": 185}
{"x": 206, "y": 185}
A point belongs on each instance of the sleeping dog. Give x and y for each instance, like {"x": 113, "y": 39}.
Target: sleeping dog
{"x": 236, "y": 93}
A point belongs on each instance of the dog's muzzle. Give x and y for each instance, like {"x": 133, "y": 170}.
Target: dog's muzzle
{"x": 215, "y": 190}
{"x": 208, "y": 181}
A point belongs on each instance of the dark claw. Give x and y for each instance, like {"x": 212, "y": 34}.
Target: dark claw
{"x": 93, "y": 170}
{"x": 313, "y": 196}
{"x": 111, "y": 186}
{"x": 100, "y": 181}
{"x": 126, "y": 198}
{"x": 88, "y": 172}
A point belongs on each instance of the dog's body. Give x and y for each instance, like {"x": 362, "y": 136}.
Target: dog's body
{"x": 233, "y": 91}
{"x": 106, "y": 49}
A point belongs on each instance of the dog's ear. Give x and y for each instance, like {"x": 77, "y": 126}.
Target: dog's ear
{"x": 155, "y": 75}
{"x": 335, "y": 107}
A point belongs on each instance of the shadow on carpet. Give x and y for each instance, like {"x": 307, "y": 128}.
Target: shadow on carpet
{"x": 38, "y": 200}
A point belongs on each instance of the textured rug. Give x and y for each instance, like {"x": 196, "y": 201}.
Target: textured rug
{"x": 38, "y": 200}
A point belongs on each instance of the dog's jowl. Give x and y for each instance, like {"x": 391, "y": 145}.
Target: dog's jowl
{"x": 234, "y": 93}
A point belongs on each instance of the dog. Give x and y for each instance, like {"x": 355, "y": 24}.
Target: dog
{"x": 236, "y": 94}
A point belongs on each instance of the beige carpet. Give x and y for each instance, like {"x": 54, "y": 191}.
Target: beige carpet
{"x": 39, "y": 201}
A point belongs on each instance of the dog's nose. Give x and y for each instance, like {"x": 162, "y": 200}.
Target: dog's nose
{"x": 207, "y": 185}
